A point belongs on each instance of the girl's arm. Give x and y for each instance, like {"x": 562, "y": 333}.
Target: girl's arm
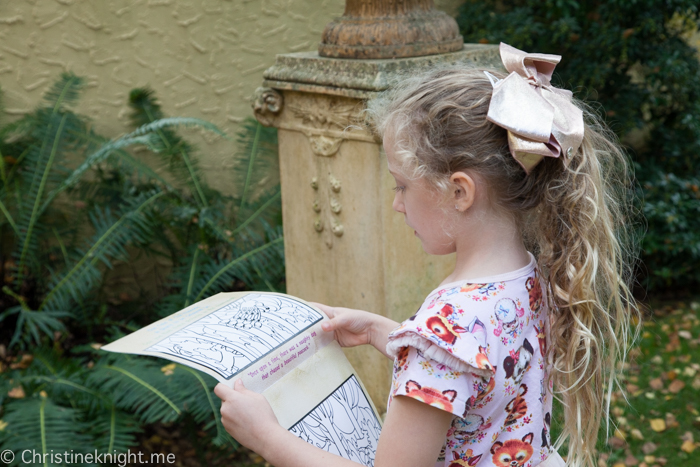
{"x": 412, "y": 436}
{"x": 357, "y": 327}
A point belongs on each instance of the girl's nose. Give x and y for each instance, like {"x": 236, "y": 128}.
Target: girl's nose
{"x": 397, "y": 205}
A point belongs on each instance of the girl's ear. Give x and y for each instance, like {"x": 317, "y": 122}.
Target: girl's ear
{"x": 464, "y": 190}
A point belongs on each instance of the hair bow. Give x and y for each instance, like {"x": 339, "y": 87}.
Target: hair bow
{"x": 541, "y": 119}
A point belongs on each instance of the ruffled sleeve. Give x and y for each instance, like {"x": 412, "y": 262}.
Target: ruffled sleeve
{"x": 447, "y": 334}
{"x": 432, "y": 383}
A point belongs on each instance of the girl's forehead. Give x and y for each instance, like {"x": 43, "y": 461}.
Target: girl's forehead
{"x": 391, "y": 158}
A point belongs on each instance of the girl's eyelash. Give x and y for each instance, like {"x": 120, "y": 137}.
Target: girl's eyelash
{"x": 399, "y": 188}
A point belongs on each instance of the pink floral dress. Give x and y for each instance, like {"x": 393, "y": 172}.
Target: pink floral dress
{"x": 476, "y": 349}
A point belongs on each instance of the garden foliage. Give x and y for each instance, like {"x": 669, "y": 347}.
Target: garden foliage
{"x": 632, "y": 57}
{"x": 74, "y": 206}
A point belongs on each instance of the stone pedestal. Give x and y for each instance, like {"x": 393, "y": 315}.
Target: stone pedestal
{"x": 344, "y": 244}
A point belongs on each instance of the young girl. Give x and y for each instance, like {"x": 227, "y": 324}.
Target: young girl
{"x": 489, "y": 166}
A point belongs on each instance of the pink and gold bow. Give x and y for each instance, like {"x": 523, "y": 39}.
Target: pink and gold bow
{"x": 541, "y": 119}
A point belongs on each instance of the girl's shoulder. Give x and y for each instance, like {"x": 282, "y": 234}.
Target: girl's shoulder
{"x": 463, "y": 324}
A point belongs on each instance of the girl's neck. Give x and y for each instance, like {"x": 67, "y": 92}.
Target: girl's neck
{"x": 489, "y": 248}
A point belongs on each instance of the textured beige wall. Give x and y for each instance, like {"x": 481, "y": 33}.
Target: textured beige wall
{"x": 204, "y": 58}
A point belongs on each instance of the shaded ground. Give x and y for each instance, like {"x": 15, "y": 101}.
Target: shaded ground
{"x": 660, "y": 426}
{"x": 190, "y": 448}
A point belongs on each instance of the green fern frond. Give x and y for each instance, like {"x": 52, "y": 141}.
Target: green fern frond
{"x": 144, "y": 106}
{"x": 95, "y": 158}
{"x": 201, "y": 403}
{"x": 129, "y": 160}
{"x": 109, "y": 241}
{"x": 264, "y": 208}
{"x": 38, "y": 425}
{"x": 65, "y": 91}
{"x": 219, "y": 275}
{"x": 26, "y": 231}
{"x": 257, "y": 162}
{"x": 114, "y": 430}
{"x": 176, "y": 122}
{"x": 138, "y": 386}
{"x": 178, "y": 153}
{"x": 9, "y": 217}
{"x": 49, "y": 128}
{"x": 32, "y": 325}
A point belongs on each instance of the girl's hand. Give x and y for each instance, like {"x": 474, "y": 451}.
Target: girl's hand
{"x": 357, "y": 327}
{"x": 246, "y": 415}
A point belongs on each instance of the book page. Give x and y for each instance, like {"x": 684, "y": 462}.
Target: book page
{"x": 235, "y": 336}
{"x": 273, "y": 343}
{"x": 228, "y": 334}
{"x": 344, "y": 423}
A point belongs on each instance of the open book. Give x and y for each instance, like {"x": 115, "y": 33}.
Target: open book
{"x": 275, "y": 344}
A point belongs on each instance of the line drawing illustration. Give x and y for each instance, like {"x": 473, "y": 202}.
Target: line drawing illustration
{"x": 240, "y": 333}
{"x": 343, "y": 424}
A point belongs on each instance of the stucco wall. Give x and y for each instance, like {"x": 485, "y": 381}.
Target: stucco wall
{"x": 204, "y": 58}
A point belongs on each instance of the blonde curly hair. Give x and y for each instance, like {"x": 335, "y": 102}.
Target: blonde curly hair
{"x": 575, "y": 215}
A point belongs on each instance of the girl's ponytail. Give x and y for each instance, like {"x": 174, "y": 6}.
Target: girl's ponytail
{"x": 582, "y": 229}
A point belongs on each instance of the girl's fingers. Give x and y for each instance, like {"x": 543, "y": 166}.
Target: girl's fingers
{"x": 328, "y": 310}
{"x": 334, "y": 324}
{"x": 223, "y": 391}
{"x": 240, "y": 387}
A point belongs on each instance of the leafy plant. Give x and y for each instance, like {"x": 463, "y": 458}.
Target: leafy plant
{"x": 633, "y": 57}
{"x": 74, "y": 207}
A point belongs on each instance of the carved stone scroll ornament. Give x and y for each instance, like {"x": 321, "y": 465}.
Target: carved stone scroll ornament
{"x": 267, "y": 104}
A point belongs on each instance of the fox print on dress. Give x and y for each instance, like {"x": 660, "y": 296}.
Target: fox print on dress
{"x": 512, "y": 453}
{"x": 431, "y": 396}
{"x": 443, "y": 329}
{"x": 466, "y": 459}
{"x": 541, "y": 338}
{"x": 517, "y": 407}
{"x": 535, "y": 293}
